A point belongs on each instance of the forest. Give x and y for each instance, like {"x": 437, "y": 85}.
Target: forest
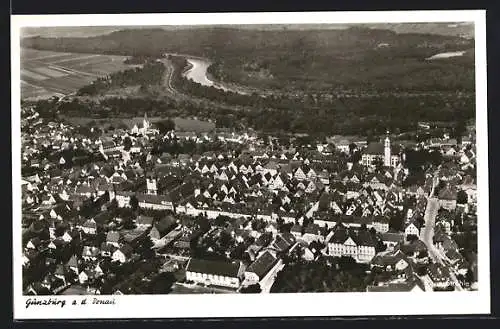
{"x": 369, "y": 108}
{"x": 329, "y": 60}
{"x": 361, "y": 118}
{"x": 349, "y": 115}
{"x": 335, "y": 274}
{"x": 151, "y": 73}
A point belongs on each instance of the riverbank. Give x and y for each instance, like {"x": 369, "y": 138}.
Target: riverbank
{"x": 198, "y": 72}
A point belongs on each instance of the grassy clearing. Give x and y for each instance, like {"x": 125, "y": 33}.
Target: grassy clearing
{"x": 182, "y": 124}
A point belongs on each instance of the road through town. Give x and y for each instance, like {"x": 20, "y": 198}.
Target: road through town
{"x": 427, "y": 233}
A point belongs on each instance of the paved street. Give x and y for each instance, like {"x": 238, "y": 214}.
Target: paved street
{"x": 268, "y": 281}
{"x": 427, "y": 233}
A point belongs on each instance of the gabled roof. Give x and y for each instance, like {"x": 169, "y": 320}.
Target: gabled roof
{"x": 264, "y": 239}
{"x": 412, "y": 247}
{"x": 281, "y": 243}
{"x": 36, "y": 242}
{"x": 144, "y": 220}
{"x": 105, "y": 247}
{"x": 453, "y": 254}
{"x": 288, "y": 237}
{"x": 313, "y": 229}
{"x": 437, "y": 272}
{"x": 113, "y": 236}
{"x": 222, "y": 268}
{"x": 126, "y": 250}
{"x": 364, "y": 238}
{"x": 165, "y": 223}
{"x": 340, "y": 234}
{"x": 388, "y": 258}
{"x": 361, "y": 237}
{"x": 262, "y": 264}
{"x": 374, "y": 148}
{"x": 73, "y": 261}
{"x": 447, "y": 194}
{"x": 90, "y": 224}
{"x": 59, "y": 270}
{"x": 296, "y": 228}
{"x": 392, "y": 237}
{"x": 468, "y": 180}
{"x": 153, "y": 199}
{"x": 89, "y": 251}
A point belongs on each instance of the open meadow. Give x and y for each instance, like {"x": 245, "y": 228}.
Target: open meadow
{"x": 48, "y": 73}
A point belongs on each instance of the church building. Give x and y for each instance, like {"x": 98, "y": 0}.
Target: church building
{"x": 146, "y": 129}
{"x": 388, "y": 154}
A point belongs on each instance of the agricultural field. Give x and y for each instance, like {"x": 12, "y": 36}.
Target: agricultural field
{"x": 48, "y": 73}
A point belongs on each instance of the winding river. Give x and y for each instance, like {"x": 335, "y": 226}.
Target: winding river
{"x": 198, "y": 73}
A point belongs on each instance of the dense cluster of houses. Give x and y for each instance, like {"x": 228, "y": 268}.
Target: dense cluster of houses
{"x": 89, "y": 203}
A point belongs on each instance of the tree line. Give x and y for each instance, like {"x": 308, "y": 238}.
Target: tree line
{"x": 273, "y": 114}
{"x": 340, "y": 274}
{"x": 330, "y": 58}
{"x": 311, "y": 114}
{"x": 151, "y": 73}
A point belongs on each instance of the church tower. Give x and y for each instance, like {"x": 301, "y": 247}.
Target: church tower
{"x": 387, "y": 151}
{"x": 151, "y": 185}
{"x": 145, "y": 122}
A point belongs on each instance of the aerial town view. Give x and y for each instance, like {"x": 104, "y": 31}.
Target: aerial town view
{"x": 248, "y": 159}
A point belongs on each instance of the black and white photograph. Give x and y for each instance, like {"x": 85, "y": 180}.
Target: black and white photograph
{"x": 260, "y": 164}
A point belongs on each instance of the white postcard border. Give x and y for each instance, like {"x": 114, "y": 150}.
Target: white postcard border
{"x": 269, "y": 305}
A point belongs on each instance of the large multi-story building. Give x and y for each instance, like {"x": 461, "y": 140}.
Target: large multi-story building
{"x": 358, "y": 244}
{"x": 389, "y": 155}
{"x": 217, "y": 273}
